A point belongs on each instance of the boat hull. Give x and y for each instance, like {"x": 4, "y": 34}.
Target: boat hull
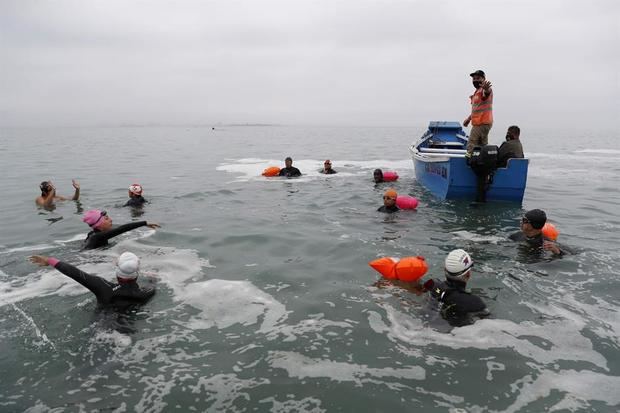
{"x": 448, "y": 176}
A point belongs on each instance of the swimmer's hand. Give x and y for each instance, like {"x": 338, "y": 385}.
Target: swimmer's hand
{"x": 551, "y": 246}
{"x": 40, "y": 260}
{"x": 75, "y": 183}
{"x": 153, "y": 226}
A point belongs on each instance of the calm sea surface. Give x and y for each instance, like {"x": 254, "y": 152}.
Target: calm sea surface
{"x": 265, "y": 298}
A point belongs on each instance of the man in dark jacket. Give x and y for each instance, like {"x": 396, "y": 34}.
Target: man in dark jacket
{"x": 289, "y": 170}
{"x": 511, "y": 148}
{"x": 122, "y": 295}
{"x": 531, "y": 234}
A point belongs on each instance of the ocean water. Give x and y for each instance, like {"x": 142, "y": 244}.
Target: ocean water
{"x": 265, "y": 298}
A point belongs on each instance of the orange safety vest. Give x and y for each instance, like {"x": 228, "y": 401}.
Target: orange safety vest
{"x": 481, "y": 110}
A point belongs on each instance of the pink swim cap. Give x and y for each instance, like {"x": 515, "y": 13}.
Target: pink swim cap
{"x": 94, "y": 217}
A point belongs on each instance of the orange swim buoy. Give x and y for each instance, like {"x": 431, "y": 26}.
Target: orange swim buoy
{"x": 271, "y": 171}
{"x": 404, "y": 269}
{"x": 385, "y": 266}
{"x": 411, "y": 268}
{"x": 550, "y": 231}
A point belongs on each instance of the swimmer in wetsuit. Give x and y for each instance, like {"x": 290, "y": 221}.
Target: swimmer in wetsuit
{"x": 289, "y": 171}
{"x": 457, "y": 306}
{"x": 102, "y": 230}
{"x": 531, "y": 234}
{"x": 327, "y": 168}
{"x": 135, "y": 196}
{"x": 48, "y": 194}
{"x": 122, "y": 295}
{"x": 389, "y": 202}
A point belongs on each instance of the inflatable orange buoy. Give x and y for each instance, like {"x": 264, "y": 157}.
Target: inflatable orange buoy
{"x": 404, "y": 269}
{"x": 271, "y": 171}
{"x": 411, "y": 268}
{"x": 390, "y": 176}
{"x": 550, "y": 231}
{"x": 385, "y": 266}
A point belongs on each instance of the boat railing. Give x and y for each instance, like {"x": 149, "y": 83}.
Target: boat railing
{"x": 442, "y": 150}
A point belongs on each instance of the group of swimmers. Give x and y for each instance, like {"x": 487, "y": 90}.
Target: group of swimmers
{"x": 456, "y": 305}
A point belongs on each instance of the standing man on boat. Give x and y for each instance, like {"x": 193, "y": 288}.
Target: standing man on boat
{"x": 481, "y": 117}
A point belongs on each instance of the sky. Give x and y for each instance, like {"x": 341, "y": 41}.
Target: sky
{"x": 337, "y": 62}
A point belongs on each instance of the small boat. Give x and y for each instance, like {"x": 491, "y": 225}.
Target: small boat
{"x": 440, "y": 165}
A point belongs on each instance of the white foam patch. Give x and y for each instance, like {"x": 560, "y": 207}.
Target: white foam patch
{"x": 484, "y": 239}
{"x": 603, "y": 151}
{"x": 37, "y": 247}
{"x": 221, "y": 303}
{"x": 223, "y": 389}
{"x": 556, "y": 340}
{"x": 579, "y": 386}
{"x": 252, "y": 168}
{"x": 306, "y": 405}
{"x": 40, "y": 284}
{"x": 301, "y": 367}
{"x": 314, "y": 324}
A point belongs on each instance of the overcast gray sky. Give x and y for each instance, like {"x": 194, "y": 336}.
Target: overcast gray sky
{"x": 349, "y": 62}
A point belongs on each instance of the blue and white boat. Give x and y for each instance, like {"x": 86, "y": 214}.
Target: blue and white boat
{"x": 440, "y": 165}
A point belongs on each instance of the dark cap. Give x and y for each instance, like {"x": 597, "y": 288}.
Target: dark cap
{"x": 537, "y": 218}
{"x": 478, "y": 73}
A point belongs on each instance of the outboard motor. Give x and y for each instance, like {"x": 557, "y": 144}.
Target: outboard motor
{"x": 484, "y": 163}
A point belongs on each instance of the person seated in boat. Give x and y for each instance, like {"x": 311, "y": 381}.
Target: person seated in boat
{"x": 135, "y": 196}
{"x": 289, "y": 170}
{"x": 389, "y": 202}
{"x": 123, "y": 294}
{"x": 511, "y": 148}
{"x": 378, "y": 176}
{"x": 457, "y": 306}
{"x": 327, "y": 168}
{"x": 48, "y": 194}
{"x": 531, "y": 234}
{"x": 102, "y": 230}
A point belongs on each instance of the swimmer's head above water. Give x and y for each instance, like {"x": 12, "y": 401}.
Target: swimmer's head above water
{"x": 127, "y": 267}
{"x": 378, "y": 175}
{"x": 98, "y": 220}
{"x": 135, "y": 190}
{"x": 458, "y": 265}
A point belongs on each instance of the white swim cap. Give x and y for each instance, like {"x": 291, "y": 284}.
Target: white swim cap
{"x": 457, "y": 263}
{"x": 127, "y": 266}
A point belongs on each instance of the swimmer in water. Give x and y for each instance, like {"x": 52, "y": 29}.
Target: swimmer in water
{"x": 327, "y": 168}
{"x": 389, "y": 202}
{"x": 48, "y": 194}
{"x": 457, "y": 306}
{"x": 289, "y": 171}
{"x": 531, "y": 234}
{"x": 135, "y": 196}
{"x": 377, "y": 175}
{"x": 121, "y": 295}
{"x": 102, "y": 230}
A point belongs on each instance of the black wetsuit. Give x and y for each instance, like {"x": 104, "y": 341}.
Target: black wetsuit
{"x": 388, "y": 210}
{"x": 96, "y": 239}
{"x": 118, "y": 296}
{"x": 328, "y": 172}
{"x": 535, "y": 244}
{"x": 290, "y": 172}
{"x": 458, "y": 307}
{"x": 136, "y": 201}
